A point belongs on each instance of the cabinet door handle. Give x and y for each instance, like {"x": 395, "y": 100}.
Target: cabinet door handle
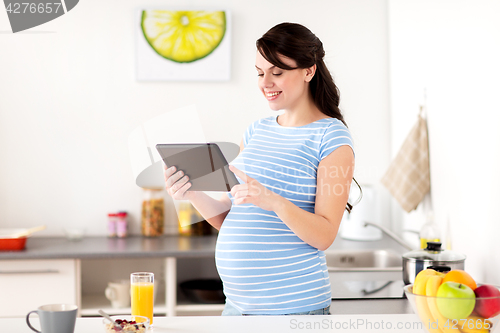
{"x": 40, "y": 271}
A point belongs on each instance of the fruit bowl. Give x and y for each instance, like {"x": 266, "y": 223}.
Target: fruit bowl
{"x": 430, "y": 311}
{"x": 130, "y": 324}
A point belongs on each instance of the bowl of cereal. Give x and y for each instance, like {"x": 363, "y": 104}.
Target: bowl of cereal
{"x": 129, "y": 324}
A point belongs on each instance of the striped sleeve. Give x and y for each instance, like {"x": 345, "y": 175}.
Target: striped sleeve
{"x": 248, "y": 133}
{"x": 336, "y": 135}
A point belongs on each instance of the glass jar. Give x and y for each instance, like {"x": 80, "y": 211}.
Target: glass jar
{"x": 430, "y": 232}
{"x": 191, "y": 223}
{"x": 200, "y": 227}
{"x": 153, "y": 212}
{"x": 121, "y": 225}
{"x": 184, "y": 211}
{"x": 112, "y": 217}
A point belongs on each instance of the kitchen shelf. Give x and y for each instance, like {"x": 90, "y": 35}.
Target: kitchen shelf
{"x": 166, "y": 303}
{"x": 191, "y": 307}
{"x": 93, "y": 302}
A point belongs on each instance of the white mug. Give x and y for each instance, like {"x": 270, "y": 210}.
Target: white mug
{"x": 118, "y": 292}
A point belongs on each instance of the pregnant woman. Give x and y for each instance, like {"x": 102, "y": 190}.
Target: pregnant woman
{"x": 295, "y": 170}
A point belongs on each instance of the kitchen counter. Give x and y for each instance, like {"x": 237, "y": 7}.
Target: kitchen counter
{"x": 109, "y": 248}
{"x": 143, "y": 247}
{"x": 172, "y": 248}
{"x": 343, "y": 323}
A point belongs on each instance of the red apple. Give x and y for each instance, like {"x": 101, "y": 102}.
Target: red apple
{"x": 487, "y": 307}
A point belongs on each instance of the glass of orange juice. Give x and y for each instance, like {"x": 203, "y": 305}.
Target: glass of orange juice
{"x": 141, "y": 293}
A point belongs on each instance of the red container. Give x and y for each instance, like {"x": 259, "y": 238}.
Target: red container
{"x": 12, "y": 244}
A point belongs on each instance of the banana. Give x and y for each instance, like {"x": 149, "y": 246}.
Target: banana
{"x": 421, "y": 280}
{"x": 425, "y": 315}
{"x": 481, "y": 325}
{"x": 471, "y": 330}
{"x": 432, "y": 285}
{"x": 431, "y": 289}
{"x": 419, "y": 284}
{"x": 419, "y": 288}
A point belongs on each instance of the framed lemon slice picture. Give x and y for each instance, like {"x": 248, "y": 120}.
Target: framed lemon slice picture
{"x": 183, "y": 45}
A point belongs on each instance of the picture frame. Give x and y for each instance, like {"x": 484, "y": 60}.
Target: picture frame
{"x": 183, "y": 45}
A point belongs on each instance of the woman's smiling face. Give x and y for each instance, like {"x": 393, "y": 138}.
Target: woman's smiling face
{"x": 283, "y": 89}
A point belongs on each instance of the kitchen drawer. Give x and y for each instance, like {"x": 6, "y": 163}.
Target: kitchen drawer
{"x": 27, "y": 284}
{"x": 366, "y": 285}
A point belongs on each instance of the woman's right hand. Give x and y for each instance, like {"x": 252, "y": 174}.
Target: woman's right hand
{"x": 177, "y": 184}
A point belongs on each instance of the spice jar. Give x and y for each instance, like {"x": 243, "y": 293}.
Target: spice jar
{"x": 200, "y": 227}
{"x": 191, "y": 223}
{"x": 184, "y": 215}
{"x": 153, "y": 212}
{"x": 112, "y": 224}
{"x": 121, "y": 224}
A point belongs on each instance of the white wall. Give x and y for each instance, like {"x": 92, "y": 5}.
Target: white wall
{"x": 451, "y": 48}
{"x": 69, "y": 99}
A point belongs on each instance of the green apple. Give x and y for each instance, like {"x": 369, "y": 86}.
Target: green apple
{"x": 455, "y": 300}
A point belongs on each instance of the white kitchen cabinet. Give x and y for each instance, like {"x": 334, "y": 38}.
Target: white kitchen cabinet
{"x": 27, "y": 284}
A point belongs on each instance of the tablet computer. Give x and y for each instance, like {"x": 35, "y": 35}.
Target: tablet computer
{"x": 203, "y": 163}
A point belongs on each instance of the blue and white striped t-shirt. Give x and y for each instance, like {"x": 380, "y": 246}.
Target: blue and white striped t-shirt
{"x": 265, "y": 267}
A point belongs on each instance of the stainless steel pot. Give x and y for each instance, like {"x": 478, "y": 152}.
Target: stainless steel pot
{"x": 432, "y": 256}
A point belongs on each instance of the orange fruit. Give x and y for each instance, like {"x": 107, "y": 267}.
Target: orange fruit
{"x": 460, "y": 276}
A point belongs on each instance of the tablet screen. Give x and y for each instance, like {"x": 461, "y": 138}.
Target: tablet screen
{"x": 204, "y": 164}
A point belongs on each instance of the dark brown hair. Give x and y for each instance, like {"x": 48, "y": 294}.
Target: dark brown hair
{"x": 296, "y": 42}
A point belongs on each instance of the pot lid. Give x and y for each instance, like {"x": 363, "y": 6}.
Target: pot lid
{"x": 434, "y": 252}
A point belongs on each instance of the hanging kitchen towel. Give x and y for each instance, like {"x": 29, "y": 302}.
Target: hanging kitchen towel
{"x": 408, "y": 176}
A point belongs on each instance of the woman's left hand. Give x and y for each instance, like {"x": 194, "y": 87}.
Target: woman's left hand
{"x": 251, "y": 191}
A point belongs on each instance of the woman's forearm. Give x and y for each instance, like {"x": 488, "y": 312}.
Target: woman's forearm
{"x": 213, "y": 211}
{"x": 312, "y": 228}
